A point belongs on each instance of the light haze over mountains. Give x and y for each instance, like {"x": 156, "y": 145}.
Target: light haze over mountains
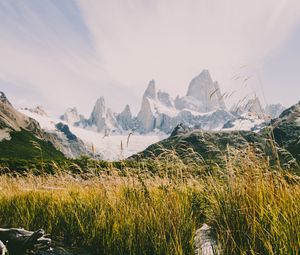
{"x": 203, "y": 107}
{"x": 62, "y": 53}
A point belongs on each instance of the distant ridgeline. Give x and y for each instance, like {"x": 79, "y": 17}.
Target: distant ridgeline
{"x": 21, "y": 137}
{"x": 189, "y": 120}
{"x": 280, "y": 141}
{"x": 203, "y": 106}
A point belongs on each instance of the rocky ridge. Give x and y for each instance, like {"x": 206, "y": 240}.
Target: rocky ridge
{"x": 279, "y": 140}
{"x": 203, "y": 106}
{"x": 13, "y": 122}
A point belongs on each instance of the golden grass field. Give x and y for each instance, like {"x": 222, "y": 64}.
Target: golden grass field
{"x": 252, "y": 208}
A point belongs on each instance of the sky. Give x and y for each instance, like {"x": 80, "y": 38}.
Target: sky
{"x": 65, "y": 53}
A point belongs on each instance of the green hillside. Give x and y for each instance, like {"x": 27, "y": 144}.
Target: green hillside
{"x": 24, "y": 145}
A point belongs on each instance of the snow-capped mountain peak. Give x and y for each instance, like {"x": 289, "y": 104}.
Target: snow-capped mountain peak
{"x": 150, "y": 92}
{"x": 203, "y": 81}
{"x": 202, "y": 106}
{"x": 203, "y": 95}
{"x": 102, "y": 118}
{"x": 125, "y": 118}
{"x": 71, "y": 116}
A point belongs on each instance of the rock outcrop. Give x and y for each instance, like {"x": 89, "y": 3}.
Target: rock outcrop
{"x": 71, "y": 116}
{"x": 12, "y": 120}
{"x": 69, "y": 144}
{"x": 102, "y": 119}
{"x": 146, "y": 116}
{"x": 286, "y": 130}
{"x": 125, "y": 119}
{"x": 38, "y": 110}
{"x": 202, "y": 106}
{"x": 253, "y": 105}
{"x": 3, "y": 98}
{"x": 203, "y": 95}
{"x": 20, "y": 134}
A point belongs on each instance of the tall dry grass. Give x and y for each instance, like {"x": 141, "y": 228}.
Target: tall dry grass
{"x": 112, "y": 216}
{"x": 252, "y": 209}
{"x": 255, "y": 210}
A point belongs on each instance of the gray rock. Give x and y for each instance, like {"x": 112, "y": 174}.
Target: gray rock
{"x": 150, "y": 92}
{"x": 71, "y": 116}
{"x": 274, "y": 110}
{"x": 206, "y": 92}
{"x": 202, "y": 106}
{"x": 252, "y": 105}
{"x": 165, "y": 99}
{"x": 204, "y": 242}
{"x": 125, "y": 119}
{"x": 102, "y": 118}
{"x": 3, "y": 98}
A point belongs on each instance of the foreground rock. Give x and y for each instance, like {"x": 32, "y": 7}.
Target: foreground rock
{"x": 204, "y": 242}
{"x": 19, "y": 241}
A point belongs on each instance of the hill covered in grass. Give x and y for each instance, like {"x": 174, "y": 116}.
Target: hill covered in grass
{"x": 24, "y": 145}
{"x": 279, "y": 141}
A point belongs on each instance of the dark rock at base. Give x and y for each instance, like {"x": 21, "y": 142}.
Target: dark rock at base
{"x": 63, "y": 251}
{"x": 66, "y": 130}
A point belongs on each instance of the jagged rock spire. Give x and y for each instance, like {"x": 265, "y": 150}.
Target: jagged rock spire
{"x": 125, "y": 118}
{"x": 71, "y": 116}
{"x": 204, "y": 89}
{"x": 3, "y": 98}
{"x": 150, "y": 92}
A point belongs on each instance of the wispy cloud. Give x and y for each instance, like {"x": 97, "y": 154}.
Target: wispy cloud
{"x": 45, "y": 47}
{"x": 173, "y": 40}
{"x": 71, "y": 52}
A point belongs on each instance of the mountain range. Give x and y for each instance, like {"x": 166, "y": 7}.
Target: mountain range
{"x": 112, "y": 136}
{"x": 203, "y": 106}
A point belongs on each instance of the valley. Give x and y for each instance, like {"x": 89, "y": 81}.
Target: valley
{"x": 149, "y": 127}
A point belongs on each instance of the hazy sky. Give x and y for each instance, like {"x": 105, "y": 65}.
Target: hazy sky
{"x": 61, "y": 53}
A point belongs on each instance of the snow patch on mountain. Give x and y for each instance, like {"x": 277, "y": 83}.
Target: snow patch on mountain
{"x": 107, "y": 146}
{"x": 203, "y": 107}
{"x": 38, "y": 110}
{"x": 247, "y": 121}
{"x": 116, "y": 147}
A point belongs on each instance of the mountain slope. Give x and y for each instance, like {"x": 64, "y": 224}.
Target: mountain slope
{"x": 286, "y": 130}
{"x": 100, "y": 145}
{"x": 24, "y": 144}
{"x": 59, "y": 135}
{"x": 212, "y": 146}
{"x": 23, "y": 137}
